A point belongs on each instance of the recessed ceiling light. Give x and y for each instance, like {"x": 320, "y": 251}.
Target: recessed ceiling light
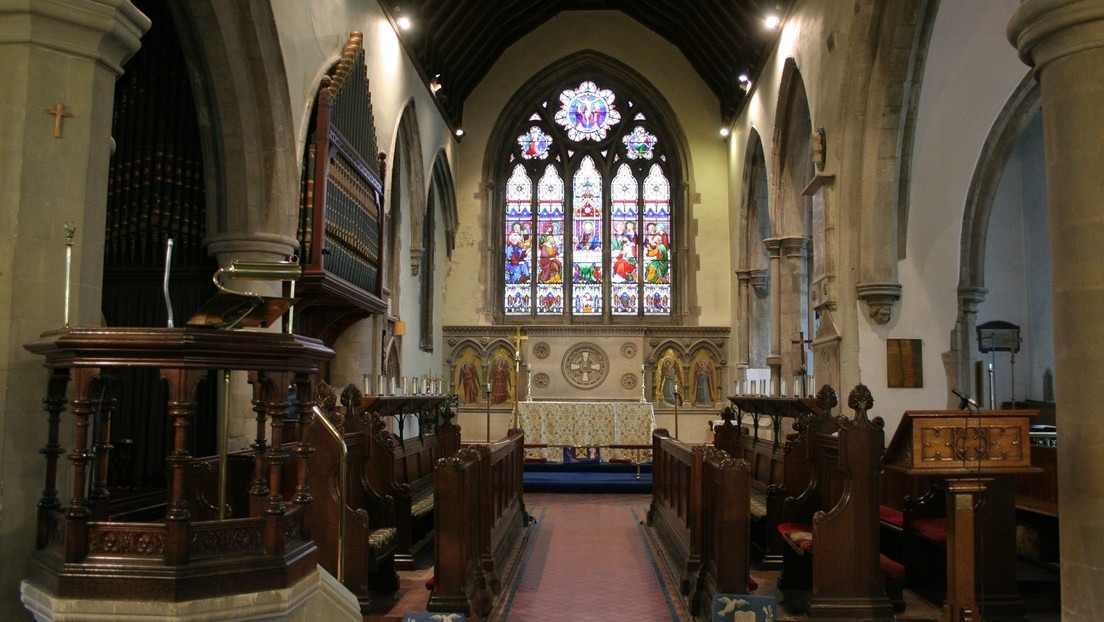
{"x": 403, "y": 22}
{"x": 772, "y": 21}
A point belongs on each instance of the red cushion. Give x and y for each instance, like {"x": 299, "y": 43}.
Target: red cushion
{"x": 934, "y": 529}
{"x": 891, "y": 516}
{"x": 621, "y": 460}
{"x": 752, "y": 584}
{"x": 529, "y": 459}
{"x": 800, "y": 534}
{"x": 890, "y": 568}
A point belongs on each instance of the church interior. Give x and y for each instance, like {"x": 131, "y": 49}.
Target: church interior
{"x": 296, "y": 294}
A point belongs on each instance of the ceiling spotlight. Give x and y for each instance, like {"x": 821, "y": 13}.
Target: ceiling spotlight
{"x": 435, "y": 84}
{"x": 459, "y": 132}
{"x": 772, "y": 20}
{"x": 403, "y": 22}
{"x": 743, "y": 78}
{"x": 724, "y": 132}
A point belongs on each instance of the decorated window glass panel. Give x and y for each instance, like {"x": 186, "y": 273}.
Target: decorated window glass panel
{"x": 550, "y": 251}
{"x": 579, "y": 242}
{"x": 534, "y": 144}
{"x": 587, "y": 112}
{"x": 624, "y": 247}
{"x": 639, "y": 144}
{"x": 656, "y": 242}
{"x": 518, "y": 243}
{"x": 586, "y": 269}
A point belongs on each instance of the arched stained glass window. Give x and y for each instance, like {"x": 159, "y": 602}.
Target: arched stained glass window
{"x": 588, "y": 221}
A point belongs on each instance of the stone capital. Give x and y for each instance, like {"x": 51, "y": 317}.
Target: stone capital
{"x": 794, "y": 246}
{"x": 105, "y": 31}
{"x": 1046, "y": 30}
{"x": 773, "y": 246}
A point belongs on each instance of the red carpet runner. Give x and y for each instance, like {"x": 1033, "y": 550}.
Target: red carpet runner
{"x": 589, "y": 560}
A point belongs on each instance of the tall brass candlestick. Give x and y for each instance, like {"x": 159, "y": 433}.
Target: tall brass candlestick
{"x": 70, "y": 231}
{"x": 528, "y": 382}
{"x": 643, "y": 396}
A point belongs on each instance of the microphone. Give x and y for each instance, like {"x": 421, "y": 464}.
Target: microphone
{"x": 966, "y": 400}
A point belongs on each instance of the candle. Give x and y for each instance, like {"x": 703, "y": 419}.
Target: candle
{"x": 367, "y": 384}
{"x": 488, "y": 388}
{"x": 782, "y": 387}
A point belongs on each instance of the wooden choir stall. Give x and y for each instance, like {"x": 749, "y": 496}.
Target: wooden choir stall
{"x": 978, "y": 453}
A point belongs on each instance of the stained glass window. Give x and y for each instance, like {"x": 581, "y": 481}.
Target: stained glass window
{"x": 588, "y": 223}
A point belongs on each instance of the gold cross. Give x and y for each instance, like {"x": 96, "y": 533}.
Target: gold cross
{"x": 518, "y": 338}
{"x": 58, "y": 111}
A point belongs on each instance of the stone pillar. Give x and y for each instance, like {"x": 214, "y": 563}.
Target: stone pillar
{"x": 777, "y": 291}
{"x": 794, "y": 316}
{"x": 1064, "y": 41}
{"x": 61, "y": 61}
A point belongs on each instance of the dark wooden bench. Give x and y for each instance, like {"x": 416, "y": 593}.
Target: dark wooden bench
{"x": 481, "y": 524}
{"x": 401, "y": 468}
{"x": 700, "y": 515}
{"x": 774, "y": 475}
{"x": 831, "y": 528}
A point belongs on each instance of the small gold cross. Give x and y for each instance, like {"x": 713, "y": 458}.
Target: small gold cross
{"x": 58, "y": 111}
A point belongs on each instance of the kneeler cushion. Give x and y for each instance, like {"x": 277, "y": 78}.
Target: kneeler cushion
{"x": 934, "y": 529}
{"x": 743, "y": 608}
{"x": 799, "y": 535}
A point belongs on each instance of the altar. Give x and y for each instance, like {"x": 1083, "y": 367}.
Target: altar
{"x": 586, "y": 424}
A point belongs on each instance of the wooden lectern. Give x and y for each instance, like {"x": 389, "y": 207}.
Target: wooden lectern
{"x": 969, "y": 449}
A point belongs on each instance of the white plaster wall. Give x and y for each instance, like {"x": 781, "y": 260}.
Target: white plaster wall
{"x": 971, "y": 71}
{"x": 698, "y": 114}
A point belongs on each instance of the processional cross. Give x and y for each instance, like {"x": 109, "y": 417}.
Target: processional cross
{"x": 801, "y": 342}
{"x": 518, "y": 338}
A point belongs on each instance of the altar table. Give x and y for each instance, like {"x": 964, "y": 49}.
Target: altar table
{"x": 586, "y": 424}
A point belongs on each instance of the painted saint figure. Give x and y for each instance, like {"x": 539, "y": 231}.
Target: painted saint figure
{"x": 704, "y": 382}
{"x": 469, "y": 382}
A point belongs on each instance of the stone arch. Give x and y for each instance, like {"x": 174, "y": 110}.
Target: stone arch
{"x": 1022, "y": 106}
{"x": 408, "y": 163}
{"x": 753, "y": 310}
{"x": 791, "y": 216}
{"x": 440, "y": 205}
{"x": 246, "y": 122}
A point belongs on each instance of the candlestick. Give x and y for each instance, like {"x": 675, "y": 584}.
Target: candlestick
{"x": 70, "y": 231}
{"x": 643, "y": 396}
{"x": 529, "y": 382}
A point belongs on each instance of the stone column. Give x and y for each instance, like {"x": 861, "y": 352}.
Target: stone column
{"x": 60, "y": 63}
{"x": 774, "y": 359}
{"x": 1064, "y": 41}
{"x": 795, "y": 302}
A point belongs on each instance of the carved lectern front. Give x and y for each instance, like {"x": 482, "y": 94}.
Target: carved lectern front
{"x": 969, "y": 449}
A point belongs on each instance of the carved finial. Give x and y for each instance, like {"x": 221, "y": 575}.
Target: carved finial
{"x": 860, "y": 398}
{"x": 826, "y": 398}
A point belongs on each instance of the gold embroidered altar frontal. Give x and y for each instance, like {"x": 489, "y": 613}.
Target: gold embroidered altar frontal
{"x": 586, "y": 424}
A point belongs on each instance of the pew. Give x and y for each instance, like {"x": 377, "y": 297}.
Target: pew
{"x": 481, "y": 524}
{"x": 401, "y": 468}
{"x": 776, "y": 474}
{"x": 924, "y": 548}
{"x": 700, "y": 516}
{"x": 831, "y": 528}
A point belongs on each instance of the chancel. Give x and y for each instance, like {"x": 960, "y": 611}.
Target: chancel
{"x": 274, "y": 270}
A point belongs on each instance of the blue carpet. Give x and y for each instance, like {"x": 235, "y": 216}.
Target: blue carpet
{"x": 587, "y": 478}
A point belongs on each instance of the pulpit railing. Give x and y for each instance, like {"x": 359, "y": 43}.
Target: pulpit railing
{"x": 84, "y": 551}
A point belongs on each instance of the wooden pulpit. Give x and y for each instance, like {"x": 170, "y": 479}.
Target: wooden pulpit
{"x": 969, "y": 449}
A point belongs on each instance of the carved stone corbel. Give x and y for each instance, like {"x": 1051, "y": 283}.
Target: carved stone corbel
{"x": 880, "y": 299}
